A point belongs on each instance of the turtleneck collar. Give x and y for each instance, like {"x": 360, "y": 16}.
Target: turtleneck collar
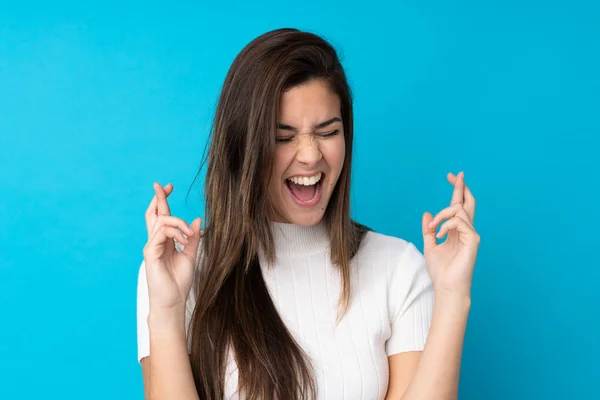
{"x": 298, "y": 240}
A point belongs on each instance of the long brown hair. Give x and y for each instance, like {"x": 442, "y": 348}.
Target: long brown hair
{"x": 233, "y": 307}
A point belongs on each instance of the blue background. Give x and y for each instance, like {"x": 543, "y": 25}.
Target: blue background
{"x": 99, "y": 100}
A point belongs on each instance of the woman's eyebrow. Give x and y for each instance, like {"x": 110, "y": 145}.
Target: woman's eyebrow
{"x": 317, "y": 126}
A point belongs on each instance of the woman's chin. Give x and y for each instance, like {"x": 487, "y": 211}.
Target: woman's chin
{"x": 306, "y": 218}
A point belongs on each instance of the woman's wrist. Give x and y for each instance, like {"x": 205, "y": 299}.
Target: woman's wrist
{"x": 166, "y": 320}
{"x": 453, "y": 299}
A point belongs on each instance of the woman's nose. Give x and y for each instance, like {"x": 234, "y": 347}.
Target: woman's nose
{"x": 308, "y": 150}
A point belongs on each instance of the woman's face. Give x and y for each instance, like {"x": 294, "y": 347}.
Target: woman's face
{"x": 309, "y": 153}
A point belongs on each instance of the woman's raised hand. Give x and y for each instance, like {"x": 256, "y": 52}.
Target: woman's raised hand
{"x": 169, "y": 272}
{"x": 451, "y": 263}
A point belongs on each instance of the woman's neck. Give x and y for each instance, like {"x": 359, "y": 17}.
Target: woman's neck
{"x": 297, "y": 240}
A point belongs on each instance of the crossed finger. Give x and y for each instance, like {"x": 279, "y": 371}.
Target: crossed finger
{"x": 467, "y": 199}
{"x": 152, "y": 210}
{"x": 161, "y": 200}
{"x": 458, "y": 195}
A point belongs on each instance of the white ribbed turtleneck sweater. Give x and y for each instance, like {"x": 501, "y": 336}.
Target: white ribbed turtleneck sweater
{"x": 390, "y": 308}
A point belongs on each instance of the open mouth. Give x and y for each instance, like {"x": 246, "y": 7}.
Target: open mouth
{"x": 306, "y": 191}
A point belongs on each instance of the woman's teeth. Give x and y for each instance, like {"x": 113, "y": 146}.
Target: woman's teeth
{"x": 304, "y": 180}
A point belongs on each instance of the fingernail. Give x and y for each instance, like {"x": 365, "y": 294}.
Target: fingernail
{"x": 430, "y": 224}
{"x": 439, "y": 234}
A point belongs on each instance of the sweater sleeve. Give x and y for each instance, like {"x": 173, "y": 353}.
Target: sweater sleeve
{"x": 410, "y": 302}
{"x": 143, "y": 336}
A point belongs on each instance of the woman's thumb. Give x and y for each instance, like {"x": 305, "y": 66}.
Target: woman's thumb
{"x": 429, "y": 241}
{"x": 192, "y": 246}
{"x": 196, "y": 224}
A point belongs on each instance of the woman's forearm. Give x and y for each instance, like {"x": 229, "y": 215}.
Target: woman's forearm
{"x": 170, "y": 370}
{"x": 437, "y": 373}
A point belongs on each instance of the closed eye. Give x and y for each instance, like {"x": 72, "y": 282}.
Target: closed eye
{"x": 322, "y": 135}
{"x": 330, "y": 134}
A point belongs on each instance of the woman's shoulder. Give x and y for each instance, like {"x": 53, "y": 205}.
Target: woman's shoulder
{"x": 399, "y": 261}
{"x": 390, "y": 251}
{"x": 380, "y": 244}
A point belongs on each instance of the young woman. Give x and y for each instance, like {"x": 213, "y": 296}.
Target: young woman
{"x": 282, "y": 295}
